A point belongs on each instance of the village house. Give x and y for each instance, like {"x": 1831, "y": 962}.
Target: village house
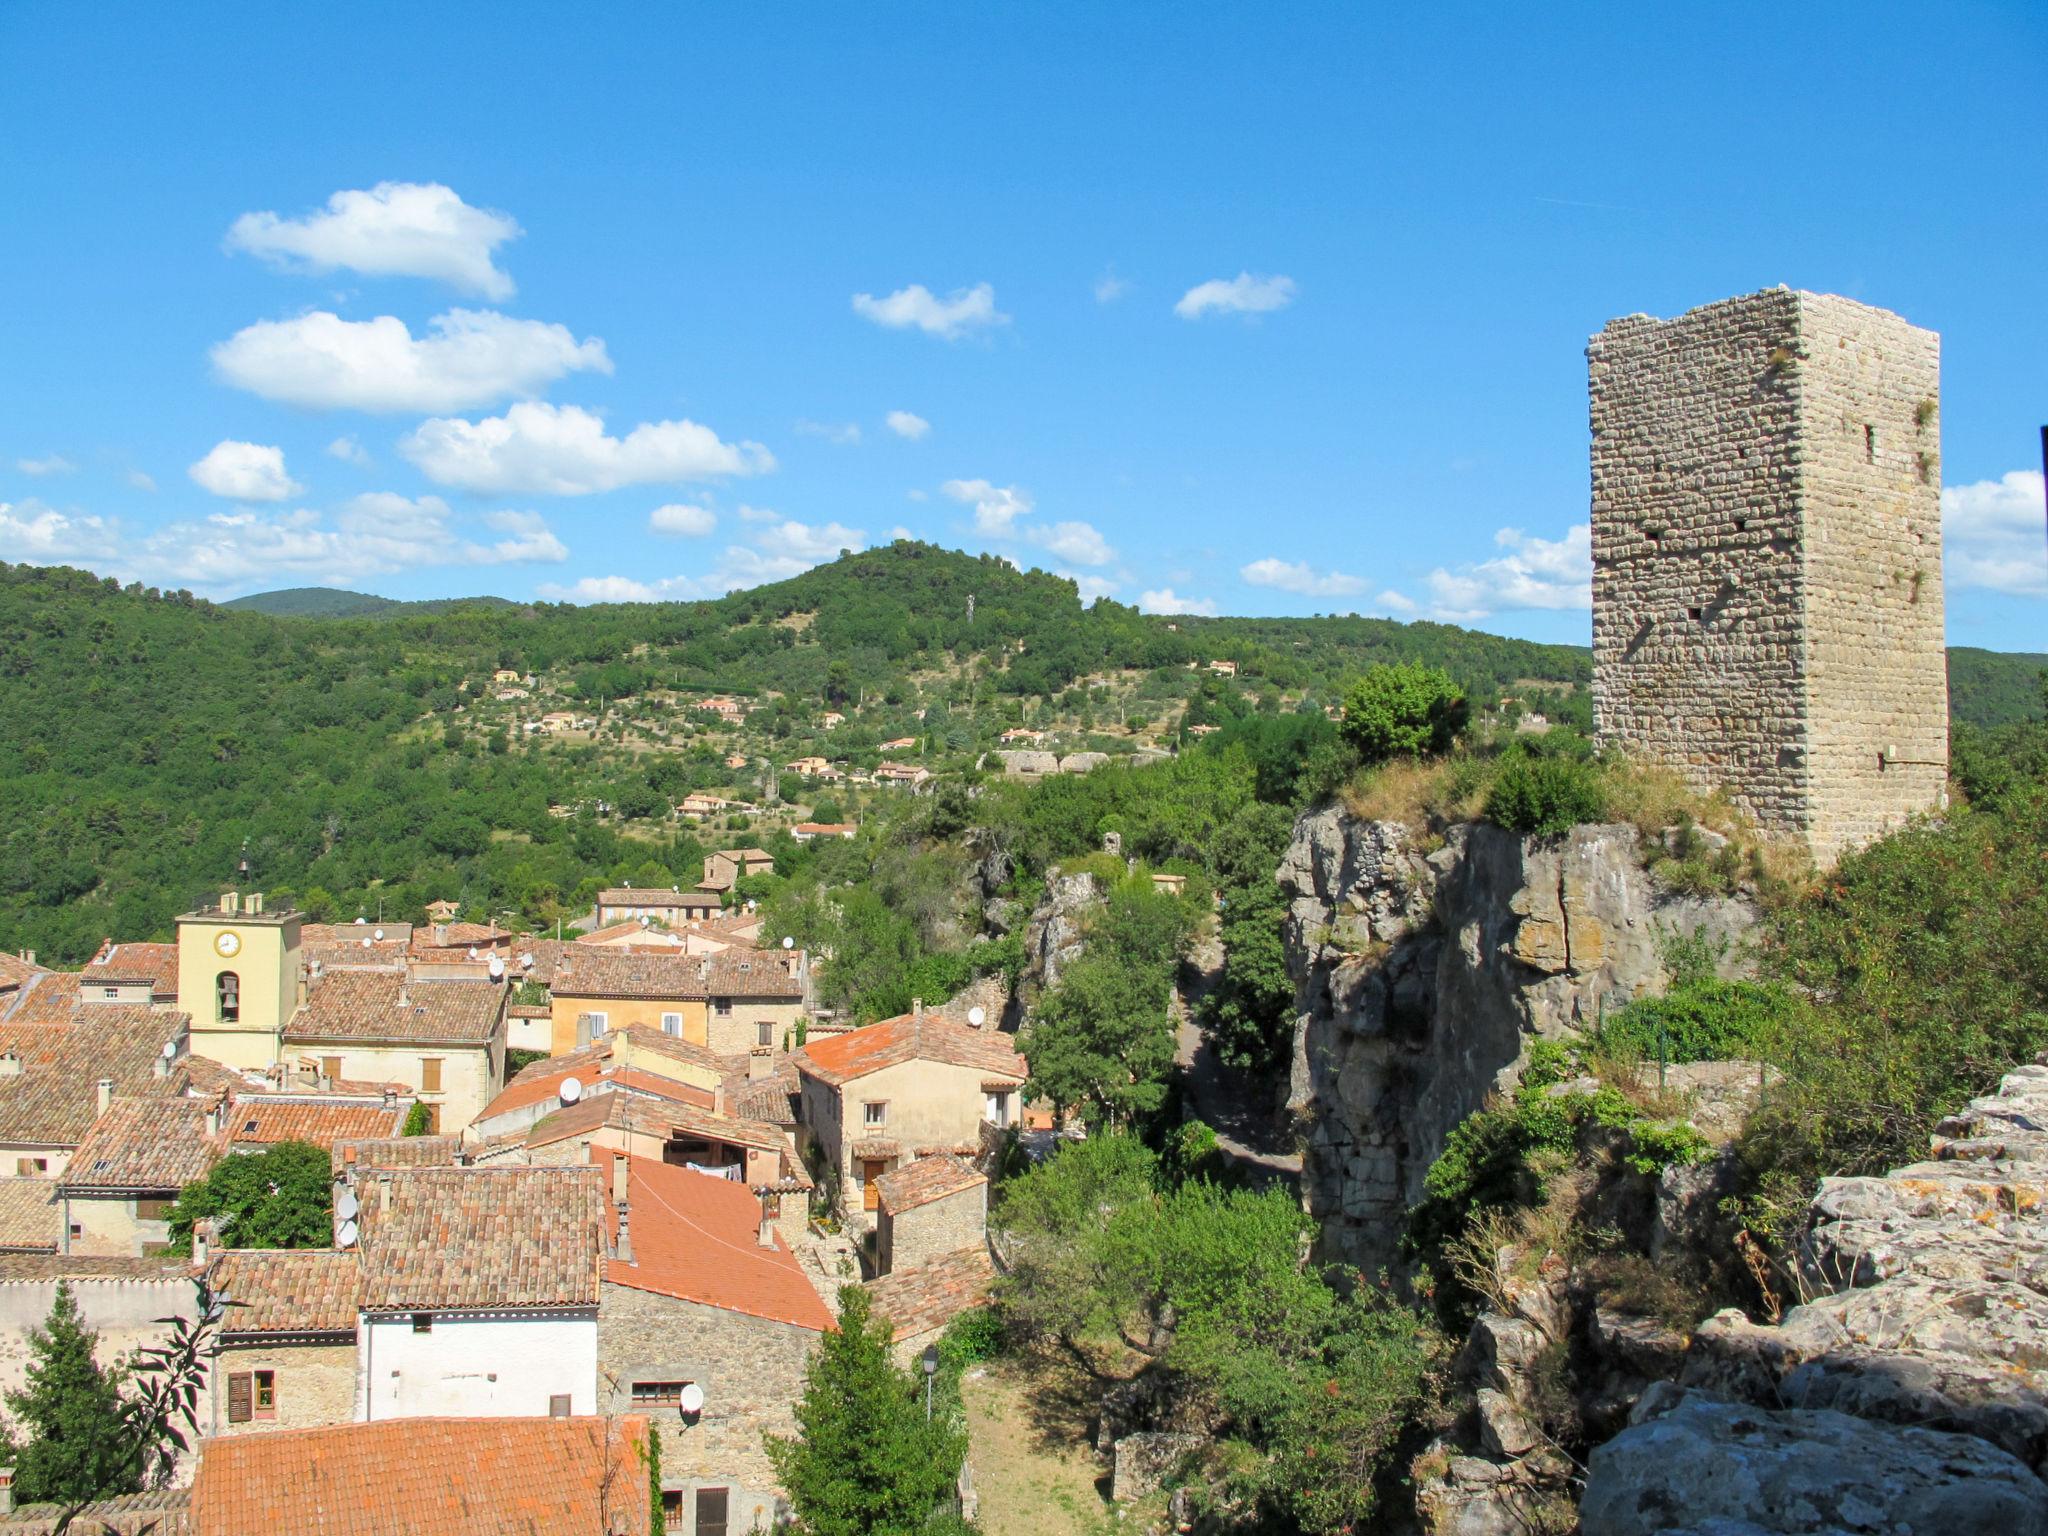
{"x": 807, "y": 767}
{"x": 732, "y": 1001}
{"x": 1169, "y": 884}
{"x": 506, "y": 675}
{"x": 927, "y": 1209}
{"x": 736, "y": 760}
{"x": 479, "y": 1291}
{"x": 667, "y": 1130}
{"x": 240, "y": 978}
{"x": 1223, "y": 668}
{"x": 722, "y": 869}
{"x": 644, "y": 934}
{"x": 58, "y": 1075}
{"x": 832, "y": 720}
{"x": 900, "y": 744}
{"x": 450, "y": 1476}
{"x": 287, "y": 1347}
{"x": 702, "y": 1296}
{"x": 624, "y": 903}
{"x": 633, "y": 1059}
{"x": 919, "y": 1302}
{"x": 908, "y": 774}
{"x": 15, "y": 973}
{"x": 1018, "y": 733}
{"x": 805, "y": 831}
{"x": 556, "y": 721}
{"x": 444, "y": 1041}
{"x": 699, "y": 804}
{"x": 331, "y": 946}
{"x": 877, "y": 1097}
{"x": 131, "y": 973}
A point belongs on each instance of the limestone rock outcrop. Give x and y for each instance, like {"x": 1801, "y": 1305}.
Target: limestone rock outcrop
{"x": 1422, "y": 975}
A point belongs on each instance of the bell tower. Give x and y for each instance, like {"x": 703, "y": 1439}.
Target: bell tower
{"x": 238, "y": 978}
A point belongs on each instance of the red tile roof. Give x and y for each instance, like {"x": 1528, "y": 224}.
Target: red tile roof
{"x": 308, "y": 1291}
{"x": 29, "y": 1215}
{"x": 265, "y": 1119}
{"x": 654, "y": 1117}
{"x": 481, "y": 1238}
{"x": 160, "y": 1512}
{"x": 396, "y": 1152}
{"x": 926, "y": 1180}
{"x": 910, "y": 1037}
{"x": 156, "y": 964}
{"x": 916, "y": 1301}
{"x": 429, "y": 1477}
{"x": 654, "y": 896}
{"x": 597, "y": 971}
{"x": 46, "y": 997}
{"x": 14, "y": 970}
{"x": 542, "y": 1082}
{"x": 53, "y": 1099}
{"x": 698, "y": 1237}
{"x": 145, "y": 1143}
{"x": 385, "y": 1005}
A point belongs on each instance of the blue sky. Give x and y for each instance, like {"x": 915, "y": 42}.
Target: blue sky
{"x": 1250, "y": 309}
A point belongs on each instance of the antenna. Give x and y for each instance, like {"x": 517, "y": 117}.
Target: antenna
{"x": 346, "y": 1205}
{"x": 570, "y": 1091}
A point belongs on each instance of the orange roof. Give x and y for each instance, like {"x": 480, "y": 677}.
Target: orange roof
{"x": 322, "y": 1121}
{"x": 312, "y": 1290}
{"x": 651, "y": 1117}
{"x": 543, "y": 1081}
{"x": 156, "y": 964}
{"x": 488, "y": 1239}
{"x": 16, "y": 969}
{"x": 925, "y": 1180}
{"x": 452, "y": 1477}
{"x": 916, "y": 1301}
{"x": 910, "y": 1037}
{"x": 697, "y": 1237}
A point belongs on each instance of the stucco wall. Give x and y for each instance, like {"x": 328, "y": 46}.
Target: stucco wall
{"x": 930, "y": 1104}
{"x": 751, "y": 1371}
{"x": 107, "y": 1225}
{"x": 737, "y": 1033}
{"x": 476, "y": 1366}
{"x": 620, "y": 1012}
{"x": 470, "y": 1075}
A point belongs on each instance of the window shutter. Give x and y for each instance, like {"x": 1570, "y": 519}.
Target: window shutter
{"x": 711, "y": 1511}
{"x": 240, "y": 1392}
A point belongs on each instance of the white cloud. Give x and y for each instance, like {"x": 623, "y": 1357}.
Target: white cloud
{"x": 1109, "y": 287}
{"x": 908, "y": 424}
{"x": 396, "y": 229}
{"x": 1535, "y": 573}
{"x": 901, "y": 532}
{"x": 1991, "y": 535}
{"x": 962, "y": 311}
{"x": 1396, "y": 602}
{"x": 682, "y": 519}
{"x": 142, "y": 481}
{"x": 801, "y": 541}
{"x": 1299, "y": 577}
{"x": 602, "y": 589}
{"x": 1166, "y": 600}
{"x": 1239, "y": 295}
{"x": 996, "y": 507}
{"x": 244, "y": 472}
{"x": 54, "y": 464}
{"x": 759, "y": 514}
{"x": 1089, "y": 586}
{"x": 844, "y": 433}
{"x": 349, "y": 451}
{"x": 1080, "y": 543}
{"x": 466, "y": 358}
{"x": 34, "y": 533}
{"x": 563, "y": 450}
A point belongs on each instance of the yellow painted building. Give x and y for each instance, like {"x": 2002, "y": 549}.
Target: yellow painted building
{"x": 238, "y": 978}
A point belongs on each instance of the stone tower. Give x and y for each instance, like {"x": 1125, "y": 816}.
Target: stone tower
{"x": 1767, "y": 611}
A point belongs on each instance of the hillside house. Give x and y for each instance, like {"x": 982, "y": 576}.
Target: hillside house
{"x": 807, "y": 767}
{"x": 116, "y": 1193}
{"x": 1223, "y": 668}
{"x": 832, "y": 720}
{"x": 722, "y": 869}
{"x": 736, "y": 760}
{"x": 908, "y": 775}
{"x": 664, "y": 1129}
{"x": 444, "y": 1041}
{"x": 1168, "y": 884}
{"x": 900, "y": 744}
{"x": 701, "y": 1290}
{"x": 732, "y": 1001}
{"x": 632, "y": 1060}
{"x": 805, "y": 831}
{"x": 479, "y": 1291}
{"x": 672, "y": 906}
{"x": 927, "y": 1209}
{"x": 875, "y": 1098}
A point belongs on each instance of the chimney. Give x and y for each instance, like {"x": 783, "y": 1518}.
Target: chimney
{"x": 917, "y": 1007}
{"x": 29, "y": 957}
{"x": 10, "y": 1065}
{"x": 255, "y": 903}
{"x": 6, "y": 1490}
{"x": 160, "y": 1066}
{"x": 106, "y": 1093}
{"x": 404, "y": 996}
{"x": 622, "y": 1250}
{"x": 202, "y": 1241}
{"x": 390, "y": 1097}
{"x": 230, "y": 903}
{"x": 621, "y": 1174}
{"x": 760, "y": 1063}
{"x": 213, "y": 1118}
{"x": 769, "y": 1211}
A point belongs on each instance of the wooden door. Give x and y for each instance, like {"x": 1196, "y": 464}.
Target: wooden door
{"x": 871, "y": 1170}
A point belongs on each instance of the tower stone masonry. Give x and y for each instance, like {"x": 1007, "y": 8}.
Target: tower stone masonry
{"x": 1767, "y": 607}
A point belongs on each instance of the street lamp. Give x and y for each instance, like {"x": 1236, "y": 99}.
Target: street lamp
{"x": 931, "y": 1369}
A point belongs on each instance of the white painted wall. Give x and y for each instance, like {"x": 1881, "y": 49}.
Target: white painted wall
{"x": 476, "y": 1365}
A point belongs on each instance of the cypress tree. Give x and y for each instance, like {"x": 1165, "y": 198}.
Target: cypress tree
{"x": 71, "y": 1411}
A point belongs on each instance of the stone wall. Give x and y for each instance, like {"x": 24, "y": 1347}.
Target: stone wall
{"x": 1767, "y": 610}
{"x": 1421, "y": 979}
{"x": 751, "y": 1370}
{"x": 925, "y": 1232}
{"x": 316, "y": 1385}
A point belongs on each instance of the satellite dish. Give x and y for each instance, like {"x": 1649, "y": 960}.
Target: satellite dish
{"x": 345, "y": 1205}
{"x": 170, "y": 1050}
{"x": 360, "y": 921}
{"x": 378, "y": 935}
{"x": 977, "y": 1015}
{"x": 570, "y": 1091}
{"x": 472, "y": 951}
{"x": 788, "y": 942}
{"x": 366, "y": 943}
{"x": 691, "y": 1398}
{"x": 346, "y": 1237}
{"x": 497, "y": 968}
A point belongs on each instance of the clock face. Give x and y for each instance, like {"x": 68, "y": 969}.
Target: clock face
{"x": 228, "y": 943}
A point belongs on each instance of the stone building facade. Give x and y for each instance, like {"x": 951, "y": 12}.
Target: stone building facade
{"x": 1767, "y": 600}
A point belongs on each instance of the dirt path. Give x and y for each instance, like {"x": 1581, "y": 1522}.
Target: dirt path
{"x": 1035, "y": 1474}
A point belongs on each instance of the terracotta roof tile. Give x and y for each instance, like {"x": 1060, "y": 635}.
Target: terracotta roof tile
{"x": 653, "y": 1117}
{"x": 597, "y": 971}
{"x": 397, "y": 934}
{"x": 47, "y": 997}
{"x": 910, "y": 1037}
{"x": 916, "y": 1301}
{"x": 53, "y": 1099}
{"x": 14, "y": 970}
{"x": 698, "y": 1238}
{"x": 482, "y": 1238}
{"x": 310, "y": 1291}
{"x": 145, "y": 1143}
{"x": 160, "y": 1512}
{"x": 156, "y": 964}
{"x": 654, "y": 896}
{"x": 771, "y": 1098}
{"x": 29, "y": 1215}
{"x": 412, "y": 1477}
{"x": 266, "y": 1119}
{"x": 926, "y": 1180}
{"x": 52, "y": 1266}
{"x": 384, "y": 1005}
{"x": 396, "y": 1152}
{"x": 537, "y": 1086}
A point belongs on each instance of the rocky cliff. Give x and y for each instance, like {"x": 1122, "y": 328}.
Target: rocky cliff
{"x": 1422, "y": 974}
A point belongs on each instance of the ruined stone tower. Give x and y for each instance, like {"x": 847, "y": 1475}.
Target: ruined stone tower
{"x": 1767, "y": 611}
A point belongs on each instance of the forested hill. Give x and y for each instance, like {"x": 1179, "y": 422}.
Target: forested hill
{"x": 336, "y": 603}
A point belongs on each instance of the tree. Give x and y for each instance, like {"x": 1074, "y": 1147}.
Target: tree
{"x": 417, "y": 1119}
{"x": 71, "y": 1410}
{"x": 282, "y": 1198}
{"x": 867, "y": 1461}
{"x": 1404, "y": 709}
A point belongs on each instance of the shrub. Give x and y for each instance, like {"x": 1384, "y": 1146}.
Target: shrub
{"x": 1404, "y": 710}
{"x": 1701, "y": 1019}
{"x": 1544, "y": 796}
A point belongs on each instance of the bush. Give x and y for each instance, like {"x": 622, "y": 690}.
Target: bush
{"x": 1404, "y": 710}
{"x": 1544, "y": 796}
{"x": 1704, "y": 1019}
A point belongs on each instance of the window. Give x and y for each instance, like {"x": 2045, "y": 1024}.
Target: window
{"x": 430, "y": 1074}
{"x": 711, "y": 1505}
{"x": 874, "y": 1112}
{"x": 241, "y": 1395}
{"x": 330, "y": 1068}
{"x": 227, "y": 997}
{"x": 998, "y": 1108}
{"x": 723, "y": 1007}
{"x": 110, "y": 991}
{"x": 1870, "y": 444}
{"x": 671, "y": 1509}
{"x": 433, "y": 1119}
{"x": 558, "y": 1405}
{"x": 657, "y": 1393}
{"x": 423, "y": 1322}
{"x": 153, "y": 1207}
{"x": 266, "y": 1394}
{"x": 764, "y": 1032}
{"x": 25, "y": 1167}
{"x": 672, "y": 1024}
{"x": 599, "y": 1023}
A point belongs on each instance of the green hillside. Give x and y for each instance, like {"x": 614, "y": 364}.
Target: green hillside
{"x": 1991, "y": 688}
{"x": 335, "y": 603}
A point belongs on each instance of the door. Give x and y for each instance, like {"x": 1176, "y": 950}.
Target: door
{"x": 871, "y": 1169}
